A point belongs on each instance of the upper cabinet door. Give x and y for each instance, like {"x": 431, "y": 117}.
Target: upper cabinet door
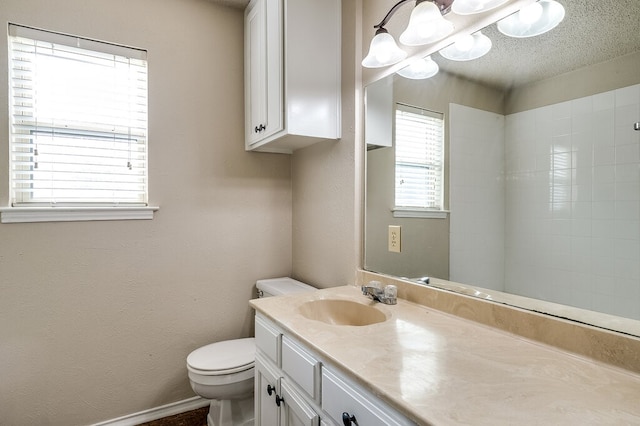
{"x": 292, "y": 73}
{"x": 263, "y": 70}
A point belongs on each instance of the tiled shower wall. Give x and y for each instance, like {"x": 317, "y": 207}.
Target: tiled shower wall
{"x": 571, "y": 202}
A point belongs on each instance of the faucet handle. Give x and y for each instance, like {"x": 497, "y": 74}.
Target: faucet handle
{"x": 391, "y": 292}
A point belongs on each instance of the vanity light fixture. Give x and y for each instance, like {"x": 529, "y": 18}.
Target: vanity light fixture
{"x": 426, "y": 25}
{"x": 467, "y": 47}
{"x": 469, "y": 7}
{"x": 532, "y": 20}
{"x": 420, "y": 69}
{"x": 383, "y": 51}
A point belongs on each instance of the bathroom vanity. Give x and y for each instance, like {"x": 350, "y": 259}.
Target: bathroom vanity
{"x": 295, "y": 386}
{"x": 412, "y": 364}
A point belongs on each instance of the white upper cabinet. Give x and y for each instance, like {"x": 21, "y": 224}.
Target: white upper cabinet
{"x": 292, "y": 73}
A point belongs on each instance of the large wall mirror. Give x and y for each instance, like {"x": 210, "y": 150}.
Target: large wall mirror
{"x": 541, "y": 167}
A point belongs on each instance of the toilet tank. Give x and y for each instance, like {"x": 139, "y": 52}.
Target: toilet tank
{"x": 278, "y": 286}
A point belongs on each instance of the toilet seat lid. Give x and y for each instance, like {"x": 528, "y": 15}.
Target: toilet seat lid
{"x": 224, "y": 357}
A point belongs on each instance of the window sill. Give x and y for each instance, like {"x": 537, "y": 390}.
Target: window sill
{"x": 74, "y": 214}
{"x": 419, "y": 213}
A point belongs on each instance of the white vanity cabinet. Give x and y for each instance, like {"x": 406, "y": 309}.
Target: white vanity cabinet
{"x": 292, "y": 73}
{"x": 287, "y": 380}
{"x": 347, "y": 403}
{"x": 293, "y": 387}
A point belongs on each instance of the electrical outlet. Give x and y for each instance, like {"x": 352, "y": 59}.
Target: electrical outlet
{"x": 394, "y": 238}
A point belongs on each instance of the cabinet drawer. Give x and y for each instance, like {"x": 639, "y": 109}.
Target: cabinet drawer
{"x": 301, "y": 367}
{"x": 268, "y": 339}
{"x": 339, "y": 396}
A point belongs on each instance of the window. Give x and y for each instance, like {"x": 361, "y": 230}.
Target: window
{"x": 419, "y": 150}
{"x": 78, "y": 122}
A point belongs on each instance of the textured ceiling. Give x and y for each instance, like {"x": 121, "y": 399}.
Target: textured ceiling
{"x": 593, "y": 31}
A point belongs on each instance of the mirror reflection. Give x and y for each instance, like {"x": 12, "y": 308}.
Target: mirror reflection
{"x": 541, "y": 166}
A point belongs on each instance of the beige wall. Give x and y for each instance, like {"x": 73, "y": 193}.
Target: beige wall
{"x": 327, "y": 181}
{"x": 425, "y": 242}
{"x": 97, "y": 318}
{"x": 614, "y": 74}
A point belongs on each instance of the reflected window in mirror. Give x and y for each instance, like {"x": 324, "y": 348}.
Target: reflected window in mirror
{"x": 419, "y": 158}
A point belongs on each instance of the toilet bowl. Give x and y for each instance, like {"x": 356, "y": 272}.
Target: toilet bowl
{"x": 223, "y": 372}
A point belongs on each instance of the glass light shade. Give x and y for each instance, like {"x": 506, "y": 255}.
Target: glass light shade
{"x": 426, "y": 25}
{"x": 468, "y": 47}
{"x": 533, "y": 20}
{"x": 469, "y": 7}
{"x": 383, "y": 51}
{"x": 420, "y": 69}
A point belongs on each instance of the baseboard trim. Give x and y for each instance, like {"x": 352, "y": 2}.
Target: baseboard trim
{"x": 157, "y": 412}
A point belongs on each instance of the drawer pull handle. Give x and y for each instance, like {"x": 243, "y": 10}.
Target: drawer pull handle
{"x": 348, "y": 420}
{"x": 270, "y": 389}
{"x": 259, "y": 128}
{"x": 279, "y": 400}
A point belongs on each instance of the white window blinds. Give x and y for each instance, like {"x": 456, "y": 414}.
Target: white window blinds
{"x": 78, "y": 112}
{"x": 419, "y": 149}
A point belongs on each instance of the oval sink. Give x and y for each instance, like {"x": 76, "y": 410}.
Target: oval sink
{"x": 341, "y": 312}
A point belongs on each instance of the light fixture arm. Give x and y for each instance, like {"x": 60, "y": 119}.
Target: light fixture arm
{"x": 443, "y": 5}
{"x": 391, "y": 12}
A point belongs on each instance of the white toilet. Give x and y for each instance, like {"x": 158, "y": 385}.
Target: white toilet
{"x": 223, "y": 371}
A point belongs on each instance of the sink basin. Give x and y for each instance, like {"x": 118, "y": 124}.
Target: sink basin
{"x": 342, "y": 312}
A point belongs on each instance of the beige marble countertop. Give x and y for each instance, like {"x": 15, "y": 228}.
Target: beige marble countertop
{"x": 440, "y": 369}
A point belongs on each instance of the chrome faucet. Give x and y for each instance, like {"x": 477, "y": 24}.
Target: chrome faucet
{"x": 386, "y": 295}
{"x": 423, "y": 280}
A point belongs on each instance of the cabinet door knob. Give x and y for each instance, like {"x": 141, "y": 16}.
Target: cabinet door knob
{"x": 270, "y": 389}
{"x": 348, "y": 419}
{"x": 279, "y": 400}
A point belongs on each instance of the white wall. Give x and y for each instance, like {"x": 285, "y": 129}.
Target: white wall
{"x": 97, "y": 318}
{"x": 476, "y": 162}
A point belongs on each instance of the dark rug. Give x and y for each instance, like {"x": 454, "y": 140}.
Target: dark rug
{"x": 190, "y": 418}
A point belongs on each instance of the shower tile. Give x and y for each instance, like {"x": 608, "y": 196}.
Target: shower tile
{"x": 627, "y": 249}
{"x": 625, "y": 134}
{"x": 603, "y": 210}
{"x": 628, "y": 191}
{"x": 627, "y": 210}
{"x": 626, "y": 115}
{"x": 626, "y": 229}
{"x": 561, "y": 126}
{"x": 627, "y": 96}
{"x": 581, "y": 106}
{"x": 604, "y": 101}
{"x": 604, "y": 174}
{"x": 603, "y": 155}
{"x": 603, "y": 191}
{"x": 627, "y": 173}
{"x": 627, "y": 153}
{"x": 602, "y": 247}
{"x": 561, "y": 110}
